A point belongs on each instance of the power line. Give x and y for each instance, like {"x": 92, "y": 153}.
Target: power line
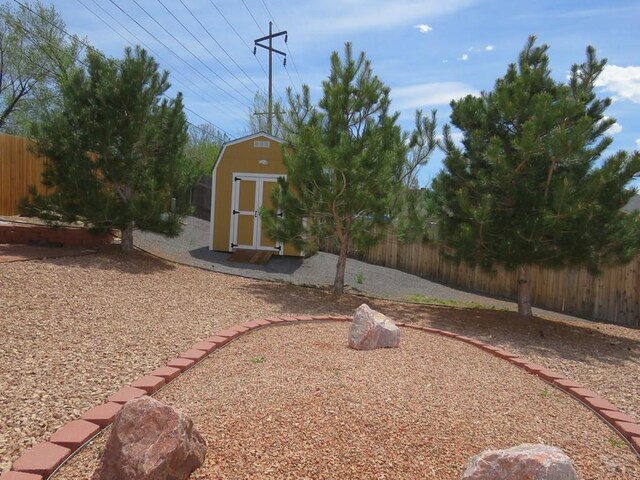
{"x": 238, "y": 35}
{"x": 51, "y": 73}
{"x": 175, "y": 54}
{"x": 187, "y": 49}
{"x": 269, "y": 13}
{"x": 271, "y": 50}
{"x": 288, "y": 50}
{"x": 175, "y": 71}
{"x": 216, "y": 42}
{"x": 89, "y": 47}
{"x": 188, "y": 85}
{"x": 205, "y": 120}
{"x": 254, "y": 18}
{"x": 201, "y": 44}
{"x": 86, "y": 45}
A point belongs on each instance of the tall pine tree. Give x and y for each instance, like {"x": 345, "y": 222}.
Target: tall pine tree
{"x": 347, "y": 163}
{"x": 530, "y": 186}
{"x": 115, "y": 148}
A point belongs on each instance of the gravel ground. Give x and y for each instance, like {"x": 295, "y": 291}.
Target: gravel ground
{"x": 191, "y": 248}
{"x": 314, "y": 408}
{"x": 76, "y": 329}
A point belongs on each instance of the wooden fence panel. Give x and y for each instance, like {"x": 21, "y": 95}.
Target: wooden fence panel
{"x": 201, "y": 198}
{"x": 613, "y": 296}
{"x": 19, "y": 169}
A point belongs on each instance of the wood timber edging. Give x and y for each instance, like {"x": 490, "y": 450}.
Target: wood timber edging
{"x": 42, "y": 460}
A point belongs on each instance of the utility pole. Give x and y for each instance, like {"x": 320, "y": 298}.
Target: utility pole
{"x": 270, "y": 48}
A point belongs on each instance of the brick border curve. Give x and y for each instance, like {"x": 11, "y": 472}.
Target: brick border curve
{"x": 43, "y": 459}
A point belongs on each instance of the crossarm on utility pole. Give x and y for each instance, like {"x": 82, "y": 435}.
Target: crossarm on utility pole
{"x": 271, "y": 50}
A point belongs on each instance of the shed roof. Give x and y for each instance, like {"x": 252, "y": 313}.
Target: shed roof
{"x": 244, "y": 139}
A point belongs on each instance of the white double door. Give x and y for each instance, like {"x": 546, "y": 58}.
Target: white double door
{"x": 249, "y": 193}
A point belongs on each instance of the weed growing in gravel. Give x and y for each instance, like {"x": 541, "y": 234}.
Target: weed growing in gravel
{"x": 617, "y": 443}
{"x": 258, "y": 359}
{"x": 545, "y": 393}
{"x": 419, "y": 298}
{"x": 360, "y": 277}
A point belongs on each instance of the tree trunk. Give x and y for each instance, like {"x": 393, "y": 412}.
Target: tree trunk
{"x": 524, "y": 293}
{"x": 126, "y": 235}
{"x": 338, "y": 283}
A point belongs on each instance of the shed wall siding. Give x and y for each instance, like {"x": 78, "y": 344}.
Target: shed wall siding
{"x": 242, "y": 157}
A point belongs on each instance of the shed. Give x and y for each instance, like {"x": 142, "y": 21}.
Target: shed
{"x": 244, "y": 175}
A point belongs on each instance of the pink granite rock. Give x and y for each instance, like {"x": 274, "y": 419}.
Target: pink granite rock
{"x": 533, "y": 462}
{"x": 371, "y": 329}
{"x": 151, "y": 441}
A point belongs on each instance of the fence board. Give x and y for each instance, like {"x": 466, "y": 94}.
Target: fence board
{"x": 613, "y": 296}
{"x": 20, "y": 168}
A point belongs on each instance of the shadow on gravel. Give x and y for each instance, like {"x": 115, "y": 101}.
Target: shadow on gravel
{"x": 112, "y": 258}
{"x": 312, "y": 300}
{"x": 535, "y": 337}
{"x": 281, "y": 265}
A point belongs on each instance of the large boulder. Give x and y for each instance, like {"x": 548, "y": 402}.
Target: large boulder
{"x": 371, "y": 329}
{"x": 151, "y": 441}
{"x": 533, "y": 462}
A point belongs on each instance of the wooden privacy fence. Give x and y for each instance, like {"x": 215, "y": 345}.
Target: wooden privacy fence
{"x": 613, "y": 296}
{"x": 20, "y": 168}
{"x": 201, "y": 198}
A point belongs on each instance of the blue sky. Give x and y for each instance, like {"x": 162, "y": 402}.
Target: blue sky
{"x": 428, "y": 51}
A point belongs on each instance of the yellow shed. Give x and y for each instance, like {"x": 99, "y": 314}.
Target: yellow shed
{"x": 245, "y": 173}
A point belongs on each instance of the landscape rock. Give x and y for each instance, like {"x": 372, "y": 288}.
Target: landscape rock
{"x": 527, "y": 461}
{"x": 371, "y": 330}
{"x": 151, "y": 441}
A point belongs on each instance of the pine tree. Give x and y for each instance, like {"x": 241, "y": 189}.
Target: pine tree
{"x": 115, "y": 148}
{"x": 346, "y": 165}
{"x": 529, "y": 186}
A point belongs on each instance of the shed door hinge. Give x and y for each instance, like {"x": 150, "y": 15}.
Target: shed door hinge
{"x": 235, "y": 212}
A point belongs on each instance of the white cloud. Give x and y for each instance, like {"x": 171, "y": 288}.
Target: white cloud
{"x": 427, "y": 95}
{"x": 614, "y": 128}
{"x": 335, "y": 17}
{"x": 464, "y": 57}
{"x": 486, "y": 48}
{"x": 638, "y": 142}
{"x": 622, "y": 82}
{"x": 423, "y": 28}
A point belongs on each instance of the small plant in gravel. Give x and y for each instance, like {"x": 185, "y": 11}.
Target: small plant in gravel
{"x": 258, "y": 359}
{"x": 360, "y": 278}
{"x": 617, "y": 442}
{"x": 545, "y": 393}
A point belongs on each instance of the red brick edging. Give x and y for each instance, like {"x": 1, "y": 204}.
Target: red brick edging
{"x": 41, "y": 460}
{"x": 26, "y": 233}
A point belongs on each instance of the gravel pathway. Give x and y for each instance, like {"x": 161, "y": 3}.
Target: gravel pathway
{"x": 191, "y": 248}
